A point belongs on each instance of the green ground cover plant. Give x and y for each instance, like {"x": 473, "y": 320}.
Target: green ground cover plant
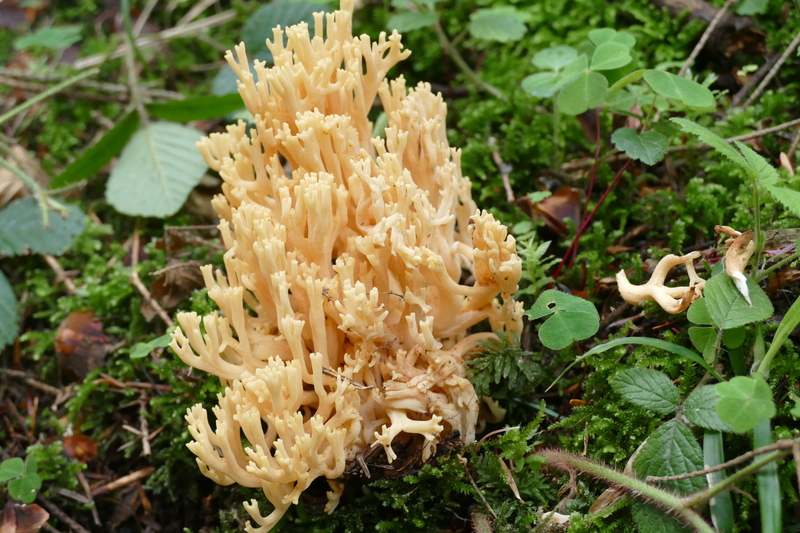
{"x": 606, "y": 135}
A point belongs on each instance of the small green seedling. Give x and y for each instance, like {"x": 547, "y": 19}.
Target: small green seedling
{"x": 143, "y": 349}
{"x": 23, "y": 479}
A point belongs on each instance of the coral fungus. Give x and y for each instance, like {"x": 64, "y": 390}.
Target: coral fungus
{"x": 343, "y": 319}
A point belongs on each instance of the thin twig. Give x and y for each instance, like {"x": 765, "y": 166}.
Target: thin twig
{"x": 793, "y": 146}
{"x": 195, "y": 11}
{"x": 706, "y": 34}
{"x": 124, "y": 480}
{"x": 783, "y": 444}
{"x": 49, "y": 389}
{"x": 505, "y": 170}
{"x": 46, "y": 94}
{"x": 774, "y": 70}
{"x": 61, "y": 515}
{"x": 754, "y": 79}
{"x": 452, "y": 51}
{"x": 144, "y": 427}
{"x": 166, "y": 35}
{"x": 35, "y": 81}
{"x": 61, "y": 275}
{"x": 475, "y": 486}
{"x": 88, "y": 490}
{"x": 141, "y": 20}
{"x": 136, "y": 282}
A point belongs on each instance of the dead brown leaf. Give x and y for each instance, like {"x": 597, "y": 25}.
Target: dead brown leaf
{"x": 176, "y": 284}
{"x": 615, "y": 249}
{"x": 80, "y": 344}
{"x": 21, "y": 518}
{"x": 564, "y": 203}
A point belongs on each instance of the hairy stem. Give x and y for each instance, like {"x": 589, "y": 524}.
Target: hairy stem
{"x": 566, "y": 461}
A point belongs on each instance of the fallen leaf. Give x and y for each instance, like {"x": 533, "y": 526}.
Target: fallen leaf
{"x": 80, "y": 447}
{"x": 21, "y": 518}
{"x": 80, "y": 344}
{"x": 615, "y": 249}
{"x": 564, "y": 203}
{"x": 177, "y": 282}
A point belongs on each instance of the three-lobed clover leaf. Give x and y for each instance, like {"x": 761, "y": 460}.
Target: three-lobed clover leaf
{"x": 744, "y": 402}
{"x": 688, "y": 92}
{"x": 572, "y": 319}
{"x": 23, "y": 479}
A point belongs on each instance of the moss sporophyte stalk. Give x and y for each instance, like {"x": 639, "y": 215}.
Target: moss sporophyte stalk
{"x": 343, "y": 322}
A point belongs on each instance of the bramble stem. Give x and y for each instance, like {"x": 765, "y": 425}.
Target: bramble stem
{"x": 566, "y": 461}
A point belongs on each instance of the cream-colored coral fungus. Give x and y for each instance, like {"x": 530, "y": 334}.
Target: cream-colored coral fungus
{"x": 342, "y": 317}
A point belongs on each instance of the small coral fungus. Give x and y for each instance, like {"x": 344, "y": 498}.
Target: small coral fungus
{"x": 343, "y": 318}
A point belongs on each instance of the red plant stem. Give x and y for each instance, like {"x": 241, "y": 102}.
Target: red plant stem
{"x": 585, "y": 223}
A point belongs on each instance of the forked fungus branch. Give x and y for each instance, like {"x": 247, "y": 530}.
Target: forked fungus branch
{"x": 343, "y": 321}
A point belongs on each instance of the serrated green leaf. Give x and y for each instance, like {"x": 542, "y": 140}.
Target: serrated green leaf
{"x": 199, "y": 108}
{"x": 743, "y": 402}
{"x": 712, "y": 139}
{"x": 496, "y": 24}
{"x": 700, "y": 409}
{"x": 633, "y": 77}
{"x": 585, "y": 92}
{"x": 788, "y": 197}
{"x": 554, "y": 58}
{"x": 728, "y": 308}
{"x": 411, "y": 20}
{"x": 11, "y": 468}
{"x": 610, "y": 55}
{"x": 688, "y": 92}
{"x": 21, "y": 229}
{"x": 55, "y": 37}
{"x": 156, "y": 171}
{"x": 651, "y": 519}
{"x": 602, "y": 35}
{"x": 767, "y": 174}
{"x": 671, "y": 450}
{"x": 542, "y": 84}
{"x": 649, "y": 147}
{"x": 98, "y": 155}
{"x": 9, "y": 316}
{"x": 647, "y": 388}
